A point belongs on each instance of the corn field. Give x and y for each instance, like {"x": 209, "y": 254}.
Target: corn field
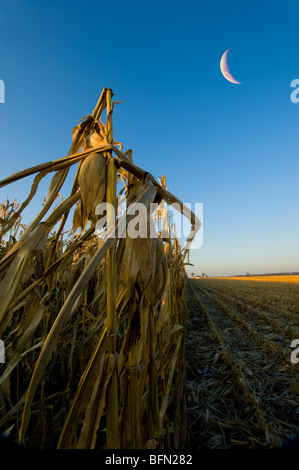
{"x": 94, "y": 326}
{"x": 242, "y": 391}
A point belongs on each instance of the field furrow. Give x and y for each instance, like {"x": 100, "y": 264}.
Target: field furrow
{"x": 273, "y": 325}
{"x": 247, "y": 387}
{"x": 278, "y": 297}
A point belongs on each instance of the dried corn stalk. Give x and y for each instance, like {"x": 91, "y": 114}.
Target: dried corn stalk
{"x": 64, "y": 356}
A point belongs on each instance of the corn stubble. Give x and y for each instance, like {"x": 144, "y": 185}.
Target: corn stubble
{"x": 94, "y": 328}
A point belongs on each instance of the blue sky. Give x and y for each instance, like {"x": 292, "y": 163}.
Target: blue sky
{"x": 235, "y": 148}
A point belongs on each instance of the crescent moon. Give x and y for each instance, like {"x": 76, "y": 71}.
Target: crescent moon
{"x": 225, "y": 70}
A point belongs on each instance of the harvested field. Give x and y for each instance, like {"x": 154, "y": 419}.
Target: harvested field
{"x": 242, "y": 385}
{"x": 287, "y": 279}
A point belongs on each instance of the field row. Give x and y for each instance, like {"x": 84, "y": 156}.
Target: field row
{"x": 239, "y": 358}
{"x": 277, "y": 297}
